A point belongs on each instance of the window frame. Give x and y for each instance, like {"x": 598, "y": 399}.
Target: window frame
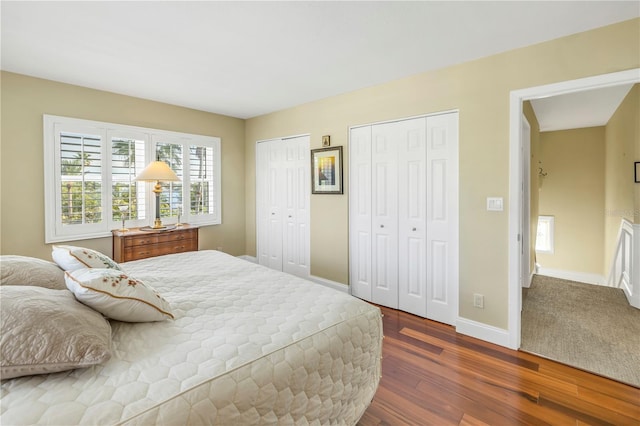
{"x": 550, "y": 220}
{"x": 53, "y": 125}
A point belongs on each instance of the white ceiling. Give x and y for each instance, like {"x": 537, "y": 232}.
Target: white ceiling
{"x": 580, "y": 109}
{"x": 245, "y": 59}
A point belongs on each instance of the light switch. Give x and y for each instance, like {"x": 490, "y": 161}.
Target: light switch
{"x": 494, "y": 204}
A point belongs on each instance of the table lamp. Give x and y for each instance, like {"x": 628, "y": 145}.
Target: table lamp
{"x": 157, "y": 171}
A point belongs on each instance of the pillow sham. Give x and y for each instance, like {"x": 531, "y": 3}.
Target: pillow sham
{"x": 71, "y": 258}
{"x": 29, "y": 271}
{"x": 117, "y": 295}
{"x": 46, "y": 331}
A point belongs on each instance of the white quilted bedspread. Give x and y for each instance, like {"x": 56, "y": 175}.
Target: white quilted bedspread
{"x": 249, "y": 345}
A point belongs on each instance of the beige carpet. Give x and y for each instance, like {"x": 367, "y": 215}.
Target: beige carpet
{"x": 586, "y": 326}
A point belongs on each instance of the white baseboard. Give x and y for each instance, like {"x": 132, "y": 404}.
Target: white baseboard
{"x": 328, "y": 283}
{"x": 528, "y": 283}
{"x": 485, "y": 332}
{"x": 248, "y": 258}
{"x": 581, "y": 277}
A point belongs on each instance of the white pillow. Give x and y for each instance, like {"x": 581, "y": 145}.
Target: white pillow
{"x": 71, "y": 258}
{"x": 117, "y": 296}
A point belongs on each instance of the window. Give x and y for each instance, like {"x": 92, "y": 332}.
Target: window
{"x": 90, "y": 169}
{"x": 544, "y": 238}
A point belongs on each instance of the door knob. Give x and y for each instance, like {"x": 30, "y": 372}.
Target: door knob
{"x": 381, "y": 226}
{"x": 413, "y": 229}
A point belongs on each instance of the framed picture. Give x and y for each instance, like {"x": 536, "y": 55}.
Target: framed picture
{"x": 637, "y": 173}
{"x": 326, "y": 170}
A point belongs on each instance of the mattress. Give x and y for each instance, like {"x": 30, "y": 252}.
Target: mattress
{"x": 249, "y": 345}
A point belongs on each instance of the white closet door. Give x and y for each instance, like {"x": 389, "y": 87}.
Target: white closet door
{"x": 282, "y": 204}
{"x": 360, "y": 212}
{"x": 442, "y": 218}
{"x": 262, "y": 211}
{"x": 296, "y": 206}
{"x": 384, "y": 221}
{"x": 275, "y": 181}
{"x": 412, "y": 219}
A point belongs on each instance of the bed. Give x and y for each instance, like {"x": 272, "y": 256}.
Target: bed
{"x": 247, "y": 345}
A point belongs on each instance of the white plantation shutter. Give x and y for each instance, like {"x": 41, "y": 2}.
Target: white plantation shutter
{"x": 128, "y": 158}
{"x": 202, "y": 173}
{"x": 90, "y": 169}
{"x": 171, "y": 196}
{"x": 196, "y": 161}
{"x": 80, "y": 195}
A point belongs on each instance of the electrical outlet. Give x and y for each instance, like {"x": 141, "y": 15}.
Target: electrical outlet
{"x": 219, "y": 248}
{"x": 478, "y": 301}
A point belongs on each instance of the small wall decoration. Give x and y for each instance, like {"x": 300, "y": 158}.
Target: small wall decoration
{"x": 326, "y": 141}
{"x": 326, "y": 170}
{"x": 637, "y": 173}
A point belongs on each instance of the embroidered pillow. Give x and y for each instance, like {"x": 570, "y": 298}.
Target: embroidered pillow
{"x": 117, "y": 295}
{"x": 45, "y": 331}
{"x": 29, "y": 271}
{"x": 71, "y": 258}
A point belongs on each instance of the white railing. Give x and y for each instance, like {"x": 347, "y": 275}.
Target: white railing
{"x": 625, "y": 268}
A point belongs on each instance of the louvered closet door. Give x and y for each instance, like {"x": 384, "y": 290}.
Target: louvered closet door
{"x": 442, "y": 218}
{"x": 296, "y": 206}
{"x": 412, "y": 217}
{"x": 360, "y": 212}
{"x": 384, "y": 215}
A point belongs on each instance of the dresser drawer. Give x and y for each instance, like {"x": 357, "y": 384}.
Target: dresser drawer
{"x": 142, "y": 252}
{"x": 141, "y": 240}
{"x": 136, "y": 244}
{"x": 177, "y": 236}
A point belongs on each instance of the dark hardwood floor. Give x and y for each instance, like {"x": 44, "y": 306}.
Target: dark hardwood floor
{"x": 433, "y": 376}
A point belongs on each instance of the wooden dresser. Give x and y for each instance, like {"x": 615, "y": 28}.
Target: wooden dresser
{"x": 136, "y": 244}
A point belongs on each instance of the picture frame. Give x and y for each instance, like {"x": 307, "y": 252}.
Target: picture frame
{"x": 637, "y": 172}
{"x": 326, "y": 170}
{"x": 326, "y": 141}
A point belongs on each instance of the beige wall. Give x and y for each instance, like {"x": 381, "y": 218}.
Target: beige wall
{"x": 534, "y": 182}
{"x": 622, "y": 148}
{"x": 573, "y": 192}
{"x": 480, "y": 90}
{"x": 26, "y": 99}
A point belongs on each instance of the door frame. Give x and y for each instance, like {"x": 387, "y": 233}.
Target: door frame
{"x": 517, "y": 97}
{"x": 525, "y": 203}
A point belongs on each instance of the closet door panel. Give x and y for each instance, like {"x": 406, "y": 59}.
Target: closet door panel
{"x": 384, "y": 163}
{"x": 296, "y": 206}
{"x": 442, "y": 218}
{"x": 412, "y": 230}
{"x": 275, "y": 182}
{"x": 262, "y": 211}
{"x": 360, "y": 269}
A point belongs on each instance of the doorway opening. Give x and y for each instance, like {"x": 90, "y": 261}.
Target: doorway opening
{"x": 516, "y": 167}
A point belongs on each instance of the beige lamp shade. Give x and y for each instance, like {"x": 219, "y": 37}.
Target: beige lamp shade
{"x": 157, "y": 171}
